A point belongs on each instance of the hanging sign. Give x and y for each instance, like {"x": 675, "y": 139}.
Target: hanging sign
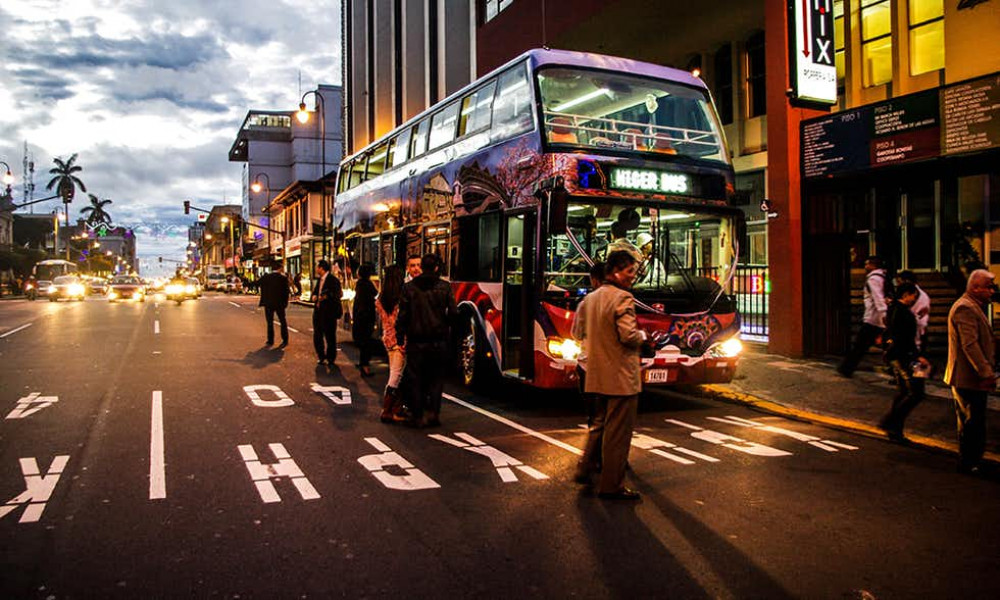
{"x": 814, "y": 71}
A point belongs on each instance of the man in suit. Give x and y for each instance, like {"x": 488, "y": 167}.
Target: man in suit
{"x": 970, "y": 370}
{"x": 612, "y": 342}
{"x": 326, "y": 311}
{"x": 274, "y": 292}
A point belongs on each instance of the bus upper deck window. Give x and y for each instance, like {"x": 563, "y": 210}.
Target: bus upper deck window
{"x": 400, "y": 151}
{"x": 476, "y": 110}
{"x": 443, "y": 125}
{"x": 512, "y": 107}
{"x": 418, "y": 142}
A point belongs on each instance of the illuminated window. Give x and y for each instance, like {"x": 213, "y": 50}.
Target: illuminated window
{"x": 876, "y": 42}
{"x": 476, "y": 110}
{"x": 493, "y": 7}
{"x": 838, "y": 40}
{"x": 443, "y": 126}
{"x": 756, "y": 75}
{"x": 926, "y": 36}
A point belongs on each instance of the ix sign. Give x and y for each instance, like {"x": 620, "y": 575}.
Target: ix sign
{"x": 814, "y": 72}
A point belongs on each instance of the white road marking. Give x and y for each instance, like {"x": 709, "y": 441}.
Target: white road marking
{"x": 414, "y": 480}
{"x": 31, "y": 404}
{"x": 38, "y": 488}
{"x": 812, "y": 440}
{"x": 282, "y": 397}
{"x": 728, "y": 441}
{"x": 156, "y": 326}
{"x": 655, "y": 446}
{"x": 235, "y": 304}
{"x": 333, "y": 393}
{"x": 13, "y": 331}
{"x": 502, "y": 462}
{"x": 516, "y": 426}
{"x": 294, "y": 329}
{"x": 262, "y": 474}
{"x": 157, "y": 464}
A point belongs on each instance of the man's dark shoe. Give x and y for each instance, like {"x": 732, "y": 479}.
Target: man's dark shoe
{"x": 622, "y": 494}
{"x": 269, "y": 343}
{"x": 283, "y": 344}
{"x": 582, "y": 478}
{"x": 321, "y": 361}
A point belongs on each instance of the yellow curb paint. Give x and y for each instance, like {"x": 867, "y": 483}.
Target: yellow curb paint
{"x": 802, "y": 415}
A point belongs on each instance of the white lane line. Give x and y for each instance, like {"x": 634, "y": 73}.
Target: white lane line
{"x": 157, "y": 465}
{"x": 294, "y": 329}
{"x": 516, "y": 426}
{"x": 236, "y": 305}
{"x": 156, "y": 326}
{"x": 13, "y": 331}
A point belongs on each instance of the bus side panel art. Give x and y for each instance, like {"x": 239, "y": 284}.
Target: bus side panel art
{"x": 487, "y": 298}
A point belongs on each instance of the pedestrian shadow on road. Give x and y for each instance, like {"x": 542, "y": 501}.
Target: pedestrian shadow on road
{"x": 262, "y": 357}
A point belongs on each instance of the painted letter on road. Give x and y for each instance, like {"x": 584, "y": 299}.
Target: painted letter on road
{"x": 38, "y": 488}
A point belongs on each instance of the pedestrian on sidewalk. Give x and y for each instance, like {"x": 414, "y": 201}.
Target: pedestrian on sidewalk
{"x": 387, "y": 307}
{"x": 970, "y": 371}
{"x": 426, "y": 313}
{"x": 412, "y": 267}
{"x": 274, "y": 293}
{"x": 363, "y": 323}
{"x": 326, "y": 311}
{"x": 902, "y": 354}
{"x": 874, "y": 319}
{"x": 612, "y": 342}
{"x": 921, "y": 309}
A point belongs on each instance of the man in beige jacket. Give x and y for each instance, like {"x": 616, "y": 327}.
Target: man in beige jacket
{"x": 970, "y": 366}
{"x": 611, "y": 338}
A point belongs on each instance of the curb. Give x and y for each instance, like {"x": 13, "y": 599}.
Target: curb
{"x": 751, "y": 401}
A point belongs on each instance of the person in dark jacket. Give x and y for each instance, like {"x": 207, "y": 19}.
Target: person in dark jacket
{"x": 274, "y": 292}
{"x": 902, "y": 353}
{"x": 363, "y": 324}
{"x": 327, "y": 310}
{"x": 426, "y": 312}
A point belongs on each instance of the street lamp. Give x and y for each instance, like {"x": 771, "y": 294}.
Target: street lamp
{"x": 8, "y": 177}
{"x": 256, "y": 188}
{"x": 303, "y": 116}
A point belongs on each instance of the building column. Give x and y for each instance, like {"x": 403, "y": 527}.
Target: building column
{"x": 784, "y": 234}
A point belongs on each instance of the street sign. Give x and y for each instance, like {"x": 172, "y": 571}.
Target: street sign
{"x": 814, "y": 70}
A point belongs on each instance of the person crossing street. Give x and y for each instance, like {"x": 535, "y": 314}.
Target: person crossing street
{"x": 274, "y": 293}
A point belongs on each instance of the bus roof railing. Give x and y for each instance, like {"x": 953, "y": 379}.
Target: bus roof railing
{"x": 687, "y": 136}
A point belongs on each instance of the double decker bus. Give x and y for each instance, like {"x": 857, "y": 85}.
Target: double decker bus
{"x": 524, "y": 178}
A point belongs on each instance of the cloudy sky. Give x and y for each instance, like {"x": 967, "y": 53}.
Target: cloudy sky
{"x": 151, "y": 95}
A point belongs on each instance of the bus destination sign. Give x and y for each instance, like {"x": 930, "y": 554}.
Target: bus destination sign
{"x": 650, "y": 180}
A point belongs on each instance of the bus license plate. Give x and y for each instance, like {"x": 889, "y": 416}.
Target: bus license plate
{"x": 657, "y": 375}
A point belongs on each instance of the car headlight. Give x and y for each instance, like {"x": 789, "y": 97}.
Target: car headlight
{"x": 189, "y": 289}
{"x": 53, "y": 289}
{"x": 112, "y": 294}
{"x": 75, "y": 289}
{"x": 563, "y": 348}
{"x": 137, "y": 294}
{"x": 728, "y": 349}
{"x": 174, "y": 289}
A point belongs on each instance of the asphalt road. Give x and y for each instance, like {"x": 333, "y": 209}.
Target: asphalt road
{"x": 736, "y": 504}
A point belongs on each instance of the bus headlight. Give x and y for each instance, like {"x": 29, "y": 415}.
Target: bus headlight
{"x": 728, "y": 349}
{"x": 563, "y": 348}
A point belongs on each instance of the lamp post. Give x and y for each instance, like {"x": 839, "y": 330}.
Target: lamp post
{"x": 8, "y": 177}
{"x": 256, "y": 188}
{"x": 303, "y": 116}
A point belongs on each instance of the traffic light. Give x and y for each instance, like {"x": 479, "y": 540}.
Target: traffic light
{"x": 187, "y": 211}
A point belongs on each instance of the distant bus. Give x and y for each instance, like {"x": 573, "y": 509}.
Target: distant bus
{"x": 524, "y": 178}
{"x": 215, "y": 277}
{"x": 47, "y": 270}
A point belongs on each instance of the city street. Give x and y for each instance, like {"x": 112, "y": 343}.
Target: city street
{"x": 160, "y": 450}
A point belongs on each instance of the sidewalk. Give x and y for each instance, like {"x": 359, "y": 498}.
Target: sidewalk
{"x": 811, "y": 390}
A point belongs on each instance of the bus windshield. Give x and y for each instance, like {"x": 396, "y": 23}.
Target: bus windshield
{"x": 686, "y": 254}
{"x": 599, "y": 109}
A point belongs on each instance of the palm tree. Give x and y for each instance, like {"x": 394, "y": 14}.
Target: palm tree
{"x": 65, "y": 181}
{"x": 96, "y": 215}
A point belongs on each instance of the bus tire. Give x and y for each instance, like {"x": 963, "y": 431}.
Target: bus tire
{"x": 473, "y": 366}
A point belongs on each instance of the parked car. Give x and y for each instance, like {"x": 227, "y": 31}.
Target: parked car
{"x": 69, "y": 287}
{"x": 126, "y": 287}
{"x": 233, "y": 285}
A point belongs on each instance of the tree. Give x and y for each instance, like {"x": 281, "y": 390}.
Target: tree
{"x": 95, "y": 213}
{"x": 65, "y": 180}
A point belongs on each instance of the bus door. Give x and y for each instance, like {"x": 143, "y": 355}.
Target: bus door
{"x": 519, "y": 295}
